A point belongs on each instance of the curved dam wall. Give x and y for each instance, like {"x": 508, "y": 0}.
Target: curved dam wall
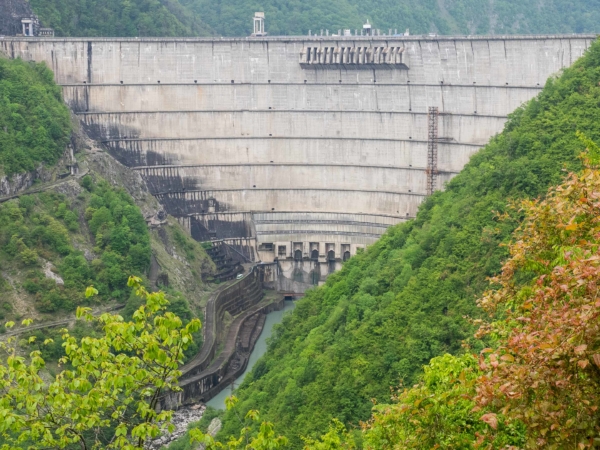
{"x": 303, "y": 148}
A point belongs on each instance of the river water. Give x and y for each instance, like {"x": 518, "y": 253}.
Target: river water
{"x": 260, "y": 348}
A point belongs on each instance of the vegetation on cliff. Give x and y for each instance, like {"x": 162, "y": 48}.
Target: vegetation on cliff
{"x": 35, "y": 125}
{"x": 393, "y": 308}
{"x": 41, "y": 233}
{"x": 295, "y": 17}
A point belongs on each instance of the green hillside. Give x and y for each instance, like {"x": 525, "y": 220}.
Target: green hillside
{"x": 403, "y": 301}
{"x": 296, "y": 17}
{"x": 293, "y": 17}
{"x": 45, "y": 230}
{"x": 127, "y": 18}
{"x": 36, "y": 124}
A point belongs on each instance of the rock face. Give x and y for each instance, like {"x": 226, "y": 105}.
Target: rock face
{"x": 48, "y": 272}
{"x": 181, "y": 419}
{"x": 184, "y": 275}
{"x": 19, "y": 182}
{"x": 65, "y": 166}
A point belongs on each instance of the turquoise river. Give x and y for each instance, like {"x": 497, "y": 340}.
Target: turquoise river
{"x": 260, "y": 348}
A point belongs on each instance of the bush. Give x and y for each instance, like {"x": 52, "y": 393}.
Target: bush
{"x": 28, "y": 256}
{"x": 87, "y": 183}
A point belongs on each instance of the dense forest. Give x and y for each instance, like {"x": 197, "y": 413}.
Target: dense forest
{"x": 46, "y": 227}
{"x": 295, "y": 17}
{"x": 117, "y": 18}
{"x": 35, "y": 123}
{"x": 375, "y": 324}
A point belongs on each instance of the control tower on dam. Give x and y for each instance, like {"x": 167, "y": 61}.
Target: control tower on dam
{"x": 299, "y": 150}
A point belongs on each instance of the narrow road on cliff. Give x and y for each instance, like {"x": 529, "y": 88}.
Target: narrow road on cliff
{"x": 57, "y": 323}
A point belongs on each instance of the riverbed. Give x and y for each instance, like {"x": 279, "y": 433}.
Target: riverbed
{"x": 260, "y": 348}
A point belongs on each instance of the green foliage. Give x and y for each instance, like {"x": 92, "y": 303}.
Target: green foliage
{"x": 46, "y": 225}
{"x": 108, "y": 397}
{"x": 54, "y": 350}
{"x": 393, "y": 308}
{"x": 34, "y": 122}
{"x": 118, "y": 18}
{"x": 179, "y": 306}
{"x": 185, "y": 243}
{"x": 121, "y": 237}
{"x": 293, "y": 17}
{"x": 439, "y": 412}
{"x": 87, "y": 182}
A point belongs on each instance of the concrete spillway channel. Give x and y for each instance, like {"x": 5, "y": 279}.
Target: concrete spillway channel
{"x": 210, "y": 371}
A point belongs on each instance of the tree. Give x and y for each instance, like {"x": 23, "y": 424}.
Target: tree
{"x": 546, "y": 370}
{"x": 107, "y": 394}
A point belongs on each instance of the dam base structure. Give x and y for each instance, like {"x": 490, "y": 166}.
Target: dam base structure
{"x": 297, "y": 151}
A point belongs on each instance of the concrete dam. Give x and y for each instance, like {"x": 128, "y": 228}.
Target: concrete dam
{"x": 297, "y": 151}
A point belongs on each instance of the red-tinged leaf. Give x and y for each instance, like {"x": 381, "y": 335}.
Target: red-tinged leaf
{"x": 580, "y": 349}
{"x": 482, "y": 364}
{"x": 596, "y": 359}
{"x": 583, "y": 363}
{"x": 491, "y": 419}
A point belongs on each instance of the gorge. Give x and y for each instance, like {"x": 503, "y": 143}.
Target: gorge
{"x": 297, "y": 151}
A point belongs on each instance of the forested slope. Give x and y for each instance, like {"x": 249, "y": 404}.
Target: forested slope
{"x": 292, "y": 17}
{"x": 296, "y": 17}
{"x": 35, "y": 123}
{"x": 404, "y": 301}
{"x": 128, "y": 18}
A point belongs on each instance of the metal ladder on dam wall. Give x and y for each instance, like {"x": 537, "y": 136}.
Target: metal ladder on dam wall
{"x": 432, "y": 149}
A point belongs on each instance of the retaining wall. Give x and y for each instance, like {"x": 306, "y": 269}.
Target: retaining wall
{"x": 234, "y": 299}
